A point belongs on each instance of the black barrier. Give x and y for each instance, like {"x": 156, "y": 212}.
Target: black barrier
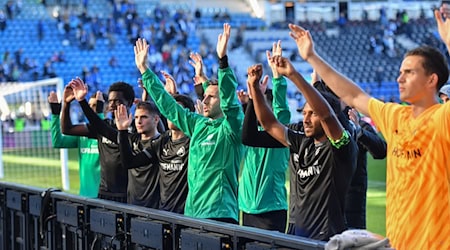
{"x": 33, "y": 218}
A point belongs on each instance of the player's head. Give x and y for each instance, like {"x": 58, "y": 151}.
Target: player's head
{"x": 422, "y": 73}
{"x": 146, "y": 117}
{"x": 120, "y": 93}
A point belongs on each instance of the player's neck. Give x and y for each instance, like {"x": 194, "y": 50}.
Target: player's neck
{"x": 422, "y": 105}
{"x": 176, "y": 134}
{"x": 149, "y": 135}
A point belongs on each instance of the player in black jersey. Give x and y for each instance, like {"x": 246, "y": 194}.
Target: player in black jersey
{"x": 324, "y": 155}
{"x": 143, "y": 182}
{"x": 113, "y": 177}
{"x": 170, "y": 151}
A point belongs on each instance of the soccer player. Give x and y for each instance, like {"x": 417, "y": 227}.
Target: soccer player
{"x": 113, "y": 176}
{"x": 326, "y": 154}
{"x": 215, "y": 150}
{"x": 262, "y": 190}
{"x": 88, "y": 157}
{"x": 143, "y": 180}
{"x": 418, "y": 139}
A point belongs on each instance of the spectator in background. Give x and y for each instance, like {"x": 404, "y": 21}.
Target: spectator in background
{"x": 48, "y": 70}
{"x": 113, "y": 62}
{"x": 2, "y": 21}
{"x": 40, "y": 30}
{"x": 88, "y": 155}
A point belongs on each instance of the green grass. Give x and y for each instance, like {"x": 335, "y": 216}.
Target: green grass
{"x": 21, "y": 167}
{"x": 376, "y": 196}
{"x": 24, "y": 167}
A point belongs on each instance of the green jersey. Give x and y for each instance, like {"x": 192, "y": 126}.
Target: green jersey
{"x": 88, "y": 158}
{"x": 262, "y": 185}
{"x": 215, "y": 150}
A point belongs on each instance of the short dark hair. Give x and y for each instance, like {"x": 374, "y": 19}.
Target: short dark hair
{"x": 149, "y": 106}
{"x": 185, "y": 101}
{"x": 126, "y": 89}
{"x": 213, "y": 82}
{"x": 434, "y": 62}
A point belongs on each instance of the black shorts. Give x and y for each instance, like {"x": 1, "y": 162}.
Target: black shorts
{"x": 273, "y": 220}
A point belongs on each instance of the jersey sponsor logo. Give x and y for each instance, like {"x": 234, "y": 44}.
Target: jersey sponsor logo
{"x": 296, "y": 158}
{"x": 209, "y": 141}
{"x": 106, "y": 141}
{"x": 89, "y": 150}
{"x": 406, "y": 153}
{"x": 165, "y": 151}
{"x": 136, "y": 146}
{"x": 181, "y": 152}
{"x": 309, "y": 171}
{"x": 173, "y": 166}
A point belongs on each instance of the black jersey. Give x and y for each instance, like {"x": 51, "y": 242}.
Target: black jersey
{"x": 113, "y": 176}
{"x": 173, "y": 162}
{"x": 172, "y": 158}
{"x": 143, "y": 180}
{"x": 323, "y": 177}
{"x": 139, "y": 186}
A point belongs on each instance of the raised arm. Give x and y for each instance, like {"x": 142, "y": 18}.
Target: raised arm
{"x": 95, "y": 122}
{"x": 66, "y": 124}
{"x": 231, "y": 108}
{"x": 182, "y": 118}
{"x": 263, "y": 112}
{"x": 58, "y": 139}
{"x": 251, "y": 136}
{"x": 443, "y": 25}
{"x": 200, "y": 76}
{"x": 171, "y": 85}
{"x": 347, "y": 90}
{"x": 279, "y": 103}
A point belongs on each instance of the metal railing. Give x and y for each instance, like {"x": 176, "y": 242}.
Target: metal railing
{"x": 33, "y": 218}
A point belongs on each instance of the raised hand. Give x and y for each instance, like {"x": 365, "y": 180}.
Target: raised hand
{"x": 144, "y": 91}
{"x": 243, "y": 96}
{"x": 443, "y": 25}
{"x": 140, "y": 54}
{"x": 80, "y": 89}
{"x": 121, "y": 117}
{"x": 99, "y": 96}
{"x": 276, "y": 51}
{"x": 68, "y": 94}
{"x": 52, "y": 97}
{"x": 197, "y": 62}
{"x": 222, "y": 41}
{"x": 171, "y": 85}
{"x": 254, "y": 74}
{"x": 283, "y": 66}
{"x": 199, "y": 107}
{"x": 303, "y": 40}
{"x": 353, "y": 115}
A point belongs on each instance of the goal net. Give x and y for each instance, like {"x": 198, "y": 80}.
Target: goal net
{"x": 26, "y": 147}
